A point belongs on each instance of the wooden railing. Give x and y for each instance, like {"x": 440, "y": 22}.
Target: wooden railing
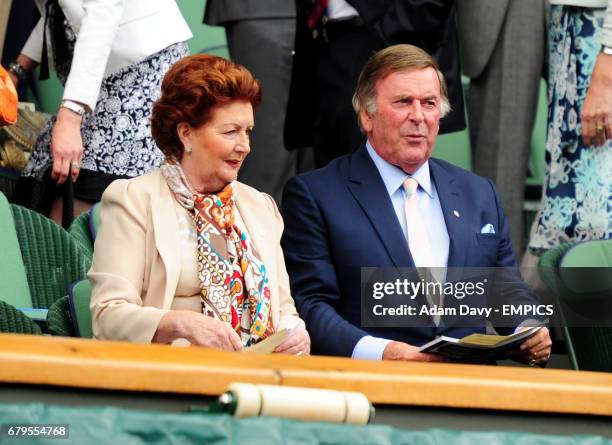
{"x": 157, "y": 368}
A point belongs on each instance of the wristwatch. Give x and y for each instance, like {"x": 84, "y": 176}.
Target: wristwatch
{"x": 18, "y": 70}
{"x": 606, "y": 50}
{"x": 73, "y": 106}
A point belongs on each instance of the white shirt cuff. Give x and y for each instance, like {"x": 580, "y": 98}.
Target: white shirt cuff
{"x": 370, "y": 348}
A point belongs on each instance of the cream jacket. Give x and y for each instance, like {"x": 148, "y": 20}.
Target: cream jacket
{"x": 136, "y": 260}
{"x": 111, "y": 34}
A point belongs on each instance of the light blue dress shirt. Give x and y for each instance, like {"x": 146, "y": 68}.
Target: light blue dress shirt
{"x": 428, "y": 203}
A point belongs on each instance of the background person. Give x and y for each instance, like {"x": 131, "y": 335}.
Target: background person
{"x": 577, "y": 199}
{"x": 503, "y": 45}
{"x": 111, "y": 57}
{"x": 331, "y": 47}
{"x": 186, "y": 251}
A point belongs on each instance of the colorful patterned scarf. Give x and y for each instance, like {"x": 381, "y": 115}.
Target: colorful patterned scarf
{"x": 233, "y": 280}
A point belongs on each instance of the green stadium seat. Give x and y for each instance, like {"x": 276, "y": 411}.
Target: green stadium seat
{"x": 14, "y": 288}
{"x": 59, "y": 320}
{"x": 94, "y": 220}
{"x": 40, "y": 261}
{"x": 79, "y": 229}
{"x": 78, "y": 299}
{"x": 14, "y": 321}
{"x": 53, "y": 259}
{"x": 581, "y": 277}
{"x": 456, "y": 147}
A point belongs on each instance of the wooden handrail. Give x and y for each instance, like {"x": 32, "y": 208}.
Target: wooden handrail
{"x": 158, "y": 368}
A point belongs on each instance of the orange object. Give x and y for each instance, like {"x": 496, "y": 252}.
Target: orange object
{"x": 8, "y": 99}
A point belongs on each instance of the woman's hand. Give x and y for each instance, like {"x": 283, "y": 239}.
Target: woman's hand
{"x": 198, "y": 329}
{"x": 14, "y": 79}
{"x": 66, "y": 146}
{"x": 26, "y": 63}
{"x": 535, "y": 350}
{"x": 597, "y": 109}
{"x": 298, "y": 343}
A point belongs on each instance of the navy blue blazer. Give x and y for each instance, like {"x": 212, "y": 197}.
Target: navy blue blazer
{"x": 339, "y": 219}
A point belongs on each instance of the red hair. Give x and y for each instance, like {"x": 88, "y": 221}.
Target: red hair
{"x": 191, "y": 89}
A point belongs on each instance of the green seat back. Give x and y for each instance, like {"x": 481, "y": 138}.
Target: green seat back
{"x": 79, "y": 229}
{"x": 586, "y": 268}
{"x": 13, "y": 278}
{"x": 14, "y": 321}
{"x": 52, "y": 258}
{"x": 455, "y": 147}
{"x": 537, "y": 163}
{"x": 581, "y": 276}
{"x": 548, "y": 266}
{"x": 94, "y": 220}
{"x": 78, "y": 298}
{"x": 589, "y": 254}
{"x": 59, "y": 319}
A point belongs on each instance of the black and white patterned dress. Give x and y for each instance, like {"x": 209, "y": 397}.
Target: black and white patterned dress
{"x": 117, "y": 139}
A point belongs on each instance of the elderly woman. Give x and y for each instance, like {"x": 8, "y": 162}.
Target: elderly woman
{"x": 187, "y": 251}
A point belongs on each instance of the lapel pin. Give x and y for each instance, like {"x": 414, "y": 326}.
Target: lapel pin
{"x": 456, "y": 213}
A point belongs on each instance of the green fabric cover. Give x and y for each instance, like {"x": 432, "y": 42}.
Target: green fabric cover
{"x": 52, "y": 258}
{"x": 79, "y": 229}
{"x": 59, "y": 320}
{"x": 107, "y": 425}
{"x": 12, "y": 320}
{"x": 79, "y": 298}
{"x": 13, "y": 279}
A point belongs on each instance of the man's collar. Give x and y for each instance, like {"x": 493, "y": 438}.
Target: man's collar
{"x": 393, "y": 177}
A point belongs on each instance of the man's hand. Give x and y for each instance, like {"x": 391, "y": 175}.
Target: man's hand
{"x": 198, "y": 329}
{"x": 66, "y": 146}
{"x": 403, "y": 351}
{"x": 597, "y": 109}
{"x": 535, "y": 350}
{"x": 298, "y": 343}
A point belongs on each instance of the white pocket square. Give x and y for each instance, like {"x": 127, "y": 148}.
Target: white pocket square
{"x": 487, "y": 228}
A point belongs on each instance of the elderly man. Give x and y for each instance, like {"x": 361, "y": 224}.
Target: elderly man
{"x": 390, "y": 205}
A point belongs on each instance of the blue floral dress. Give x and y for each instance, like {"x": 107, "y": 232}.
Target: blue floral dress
{"x": 577, "y": 202}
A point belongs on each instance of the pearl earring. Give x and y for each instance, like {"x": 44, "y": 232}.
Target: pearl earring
{"x": 187, "y": 148}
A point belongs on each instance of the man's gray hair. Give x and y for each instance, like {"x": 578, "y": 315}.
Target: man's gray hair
{"x": 390, "y": 60}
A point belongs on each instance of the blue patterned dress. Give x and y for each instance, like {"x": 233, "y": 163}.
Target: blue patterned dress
{"x": 577, "y": 202}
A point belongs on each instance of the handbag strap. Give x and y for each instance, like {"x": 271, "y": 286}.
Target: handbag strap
{"x": 67, "y": 203}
